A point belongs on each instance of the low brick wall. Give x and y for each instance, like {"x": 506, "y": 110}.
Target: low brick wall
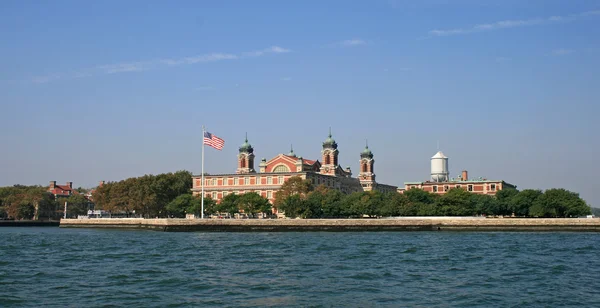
{"x": 392, "y": 224}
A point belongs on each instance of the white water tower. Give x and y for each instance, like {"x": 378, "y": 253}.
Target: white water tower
{"x": 439, "y": 167}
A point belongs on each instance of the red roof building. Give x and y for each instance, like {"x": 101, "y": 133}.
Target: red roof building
{"x": 274, "y": 172}
{"x": 61, "y": 190}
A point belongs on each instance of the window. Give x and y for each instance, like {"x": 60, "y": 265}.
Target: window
{"x": 224, "y": 194}
{"x": 281, "y": 168}
{"x": 434, "y": 188}
{"x": 279, "y": 180}
{"x": 412, "y": 187}
{"x": 269, "y": 180}
{"x": 493, "y": 187}
{"x": 214, "y": 195}
{"x": 243, "y": 163}
{"x": 457, "y": 186}
{"x": 364, "y": 167}
{"x": 214, "y": 182}
{"x": 327, "y": 160}
{"x": 269, "y": 194}
{"x": 470, "y": 188}
{"x": 246, "y": 181}
{"x": 446, "y": 187}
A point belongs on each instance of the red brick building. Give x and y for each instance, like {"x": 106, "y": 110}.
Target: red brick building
{"x": 478, "y": 186}
{"x": 61, "y": 190}
{"x": 274, "y": 172}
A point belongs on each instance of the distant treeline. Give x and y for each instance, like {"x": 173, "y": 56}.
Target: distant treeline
{"x": 169, "y": 195}
{"x": 147, "y": 195}
{"x": 35, "y": 202}
{"x": 301, "y": 200}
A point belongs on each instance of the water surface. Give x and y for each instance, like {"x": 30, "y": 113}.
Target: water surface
{"x": 114, "y": 268}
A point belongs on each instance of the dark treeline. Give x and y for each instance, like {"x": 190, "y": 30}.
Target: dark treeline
{"x": 35, "y": 202}
{"x": 299, "y": 199}
{"x": 169, "y": 195}
{"x": 147, "y": 195}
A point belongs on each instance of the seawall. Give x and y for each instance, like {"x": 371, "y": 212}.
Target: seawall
{"x": 29, "y": 223}
{"x": 391, "y": 224}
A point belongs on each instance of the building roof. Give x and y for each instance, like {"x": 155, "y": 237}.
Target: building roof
{"x": 458, "y": 182}
{"x": 63, "y": 190}
{"x": 439, "y": 154}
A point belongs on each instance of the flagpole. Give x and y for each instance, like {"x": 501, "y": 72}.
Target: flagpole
{"x": 202, "y": 196}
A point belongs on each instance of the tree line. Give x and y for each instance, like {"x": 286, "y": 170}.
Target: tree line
{"x": 169, "y": 195}
{"x": 146, "y": 195}
{"x": 22, "y": 202}
{"x": 298, "y": 198}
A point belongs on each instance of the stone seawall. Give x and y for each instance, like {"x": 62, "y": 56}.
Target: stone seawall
{"x": 391, "y": 224}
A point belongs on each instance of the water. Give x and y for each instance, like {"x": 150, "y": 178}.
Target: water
{"x": 113, "y": 268}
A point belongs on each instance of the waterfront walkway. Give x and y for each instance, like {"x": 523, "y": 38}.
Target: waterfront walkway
{"x": 387, "y": 224}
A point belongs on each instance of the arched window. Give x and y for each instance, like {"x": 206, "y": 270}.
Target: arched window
{"x": 243, "y": 163}
{"x": 364, "y": 168}
{"x": 327, "y": 160}
{"x": 281, "y": 168}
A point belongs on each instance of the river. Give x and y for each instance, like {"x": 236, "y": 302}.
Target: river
{"x": 53, "y": 267}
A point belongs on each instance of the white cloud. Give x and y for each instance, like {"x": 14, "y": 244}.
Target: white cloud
{"x": 562, "y": 52}
{"x": 277, "y": 49}
{"x": 166, "y": 62}
{"x": 353, "y": 42}
{"x": 45, "y": 79}
{"x": 505, "y": 24}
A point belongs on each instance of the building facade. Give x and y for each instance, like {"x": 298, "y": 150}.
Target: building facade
{"x": 478, "y": 186}
{"x": 272, "y": 173}
{"x": 61, "y": 190}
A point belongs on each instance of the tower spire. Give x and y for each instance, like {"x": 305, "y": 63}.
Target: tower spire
{"x": 246, "y": 136}
{"x": 367, "y": 143}
{"x": 330, "y": 131}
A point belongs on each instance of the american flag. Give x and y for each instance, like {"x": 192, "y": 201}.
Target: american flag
{"x": 213, "y": 141}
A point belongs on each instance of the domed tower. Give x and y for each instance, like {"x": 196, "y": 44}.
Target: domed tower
{"x": 439, "y": 167}
{"x": 246, "y": 158}
{"x": 329, "y": 155}
{"x": 367, "y": 163}
{"x": 291, "y": 153}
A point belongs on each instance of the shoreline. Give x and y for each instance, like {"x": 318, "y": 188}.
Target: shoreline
{"x": 29, "y": 223}
{"x": 340, "y": 225}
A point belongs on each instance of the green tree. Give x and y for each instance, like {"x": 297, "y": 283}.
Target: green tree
{"x": 520, "y": 203}
{"x": 229, "y": 204}
{"x": 331, "y": 206}
{"x": 456, "y": 202}
{"x": 180, "y": 205}
{"x": 293, "y": 206}
{"x": 485, "y": 204}
{"x": 418, "y": 195}
{"x": 395, "y": 204}
{"x": 559, "y": 202}
{"x": 293, "y": 186}
{"x": 504, "y": 198}
{"x": 426, "y": 209}
{"x": 252, "y": 203}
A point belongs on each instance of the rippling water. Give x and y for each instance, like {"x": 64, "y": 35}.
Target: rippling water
{"x": 93, "y": 268}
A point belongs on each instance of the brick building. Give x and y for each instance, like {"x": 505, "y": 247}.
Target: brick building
{"x": 272, "y": 173}
{"x": 61, "y": 190}
{"x": 478, "y": 186}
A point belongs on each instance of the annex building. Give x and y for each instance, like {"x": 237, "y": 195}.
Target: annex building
{"x": 441, "y": 181}
{"x": 272, "y": 173}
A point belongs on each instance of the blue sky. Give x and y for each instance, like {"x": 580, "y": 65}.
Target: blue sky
{"x": 107, "y": 90}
